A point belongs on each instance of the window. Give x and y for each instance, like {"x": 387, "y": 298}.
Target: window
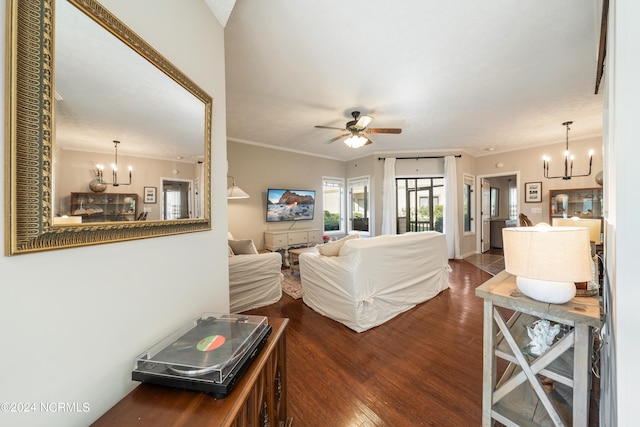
{"x": 359, "y": 204}
{"x": 419, "y": 204}
{"x": 468, "y": 204}
{"x": 333, "y": 204}
{"x": 513, "y": 200}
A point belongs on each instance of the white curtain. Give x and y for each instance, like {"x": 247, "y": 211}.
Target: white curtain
{"x": 451, "y": 227}
{"x": 200, "y": 208}
{"x": 389, "y": 197}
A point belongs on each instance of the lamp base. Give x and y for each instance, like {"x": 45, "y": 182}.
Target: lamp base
{"x": 546, "y": 291}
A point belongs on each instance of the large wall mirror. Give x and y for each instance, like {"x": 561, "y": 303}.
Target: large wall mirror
{"x": 87, "y": 99}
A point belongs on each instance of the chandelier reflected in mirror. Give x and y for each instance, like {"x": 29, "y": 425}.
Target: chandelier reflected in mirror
{"x": 114, "y": 171}
{"x": 568, "y": 161}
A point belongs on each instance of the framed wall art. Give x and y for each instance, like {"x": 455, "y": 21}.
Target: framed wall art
{"x": 150, "y": 194}
{"x": 533, "y": 192}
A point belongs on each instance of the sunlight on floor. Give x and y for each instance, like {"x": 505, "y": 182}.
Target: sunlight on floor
{"x": 492, "y": 263}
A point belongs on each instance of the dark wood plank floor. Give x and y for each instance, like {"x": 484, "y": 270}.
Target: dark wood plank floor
{"x": 422, "y": 368}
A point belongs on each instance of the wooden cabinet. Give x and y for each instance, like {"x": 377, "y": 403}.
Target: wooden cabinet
{"x": 104, "y": 207}
{"x": 518, "y": 397}
{"x": 578, "y": 202}
{"x": 259, "y": 399}
{"x": 285, "y": 239}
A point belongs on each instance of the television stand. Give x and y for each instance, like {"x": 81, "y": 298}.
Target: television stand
{"x": 283, "y": 240}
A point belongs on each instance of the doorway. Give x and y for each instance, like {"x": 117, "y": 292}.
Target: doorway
{"x": 177, "y": 198}
{"x": 497, "y": 210}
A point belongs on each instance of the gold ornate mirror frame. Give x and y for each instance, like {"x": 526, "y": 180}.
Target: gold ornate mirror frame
{"x": 29, "y": 132}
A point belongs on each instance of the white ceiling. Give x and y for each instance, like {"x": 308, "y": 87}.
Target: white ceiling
{"x": 457, "y": 74}
{"x": 106, "y": 91}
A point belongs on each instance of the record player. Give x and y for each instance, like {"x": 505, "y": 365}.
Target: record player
{"x": 209, "y": 354}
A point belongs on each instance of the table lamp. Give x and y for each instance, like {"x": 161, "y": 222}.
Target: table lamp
{"x": 593, "y": 224}
{"x": 548, "y": 260}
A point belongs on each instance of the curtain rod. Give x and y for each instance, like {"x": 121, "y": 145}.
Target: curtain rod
{"x": 420, "y": 157}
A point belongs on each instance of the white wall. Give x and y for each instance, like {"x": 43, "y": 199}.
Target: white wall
{"x": 622, "y": 109}
{"x": 73, "y": 320}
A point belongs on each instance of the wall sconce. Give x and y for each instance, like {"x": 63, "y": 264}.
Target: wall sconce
{"x": 235, "y": 192}
{"x": 114, "y": 171}
{"x": 548, "y": 261}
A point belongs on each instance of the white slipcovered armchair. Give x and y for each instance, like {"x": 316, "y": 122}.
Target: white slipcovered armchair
{"x": 254, "y": 278}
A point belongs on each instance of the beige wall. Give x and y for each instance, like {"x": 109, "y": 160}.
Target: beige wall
{"x": 253, "y": 167}
{"x": 75, "y": 169}
{"x": 257, "y": 169}
{"x": 529, "y": 165}
{"x": 75, "y": 319}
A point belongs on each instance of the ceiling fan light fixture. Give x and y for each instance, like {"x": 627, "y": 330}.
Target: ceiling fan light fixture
{"x": 356, "y": 141}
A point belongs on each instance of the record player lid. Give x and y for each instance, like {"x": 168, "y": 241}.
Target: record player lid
{"x": 207, "y": 348}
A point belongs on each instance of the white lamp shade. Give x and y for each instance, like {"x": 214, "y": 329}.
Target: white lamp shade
{"x": 594, "y": 226}
{"x": 235, "y": 192}
{"x": 552, "y": 254}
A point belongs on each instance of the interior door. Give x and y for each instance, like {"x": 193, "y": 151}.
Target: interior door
{"x": 486, "y": 217}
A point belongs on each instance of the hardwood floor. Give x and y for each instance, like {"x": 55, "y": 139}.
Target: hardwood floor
{"x": 422, "y": 368}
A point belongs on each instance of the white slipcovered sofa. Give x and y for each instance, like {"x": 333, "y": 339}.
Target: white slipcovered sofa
{"x": 374, "y": 280}
{"x": 254, "y": 279}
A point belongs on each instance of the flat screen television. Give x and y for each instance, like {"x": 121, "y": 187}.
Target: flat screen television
{"x": 290, "y": 205}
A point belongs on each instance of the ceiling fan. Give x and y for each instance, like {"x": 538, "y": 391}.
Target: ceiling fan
{"x": 355, "y": 129}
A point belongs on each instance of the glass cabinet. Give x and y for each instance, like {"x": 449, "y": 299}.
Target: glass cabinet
{"x": 104, "y": 207}
{"x": 577, "y": 202}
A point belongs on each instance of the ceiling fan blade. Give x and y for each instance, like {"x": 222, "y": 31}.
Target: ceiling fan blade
{"x": 336, "y": 138}
{"x": 329, "y": 127}
{"x": 384, "y": 130}
{"x": 363, "y": 122}
{"x": 368, "y": 142}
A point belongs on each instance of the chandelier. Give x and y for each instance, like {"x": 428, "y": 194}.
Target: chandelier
{"x": 114, "y": 171}
{"x": 568, "y": 161}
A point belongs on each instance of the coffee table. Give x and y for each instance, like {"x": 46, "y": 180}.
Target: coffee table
{"x": 294, "y": 263}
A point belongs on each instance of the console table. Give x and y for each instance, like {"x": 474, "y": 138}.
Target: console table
{"x": 259, "y": 399}
{"x": 287, "y": 239}
{"x": 519, "y": 398}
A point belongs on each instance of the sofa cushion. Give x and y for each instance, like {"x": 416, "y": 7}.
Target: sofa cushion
{"x": 243, "y": 247}
{"x": 333, "y": 248}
